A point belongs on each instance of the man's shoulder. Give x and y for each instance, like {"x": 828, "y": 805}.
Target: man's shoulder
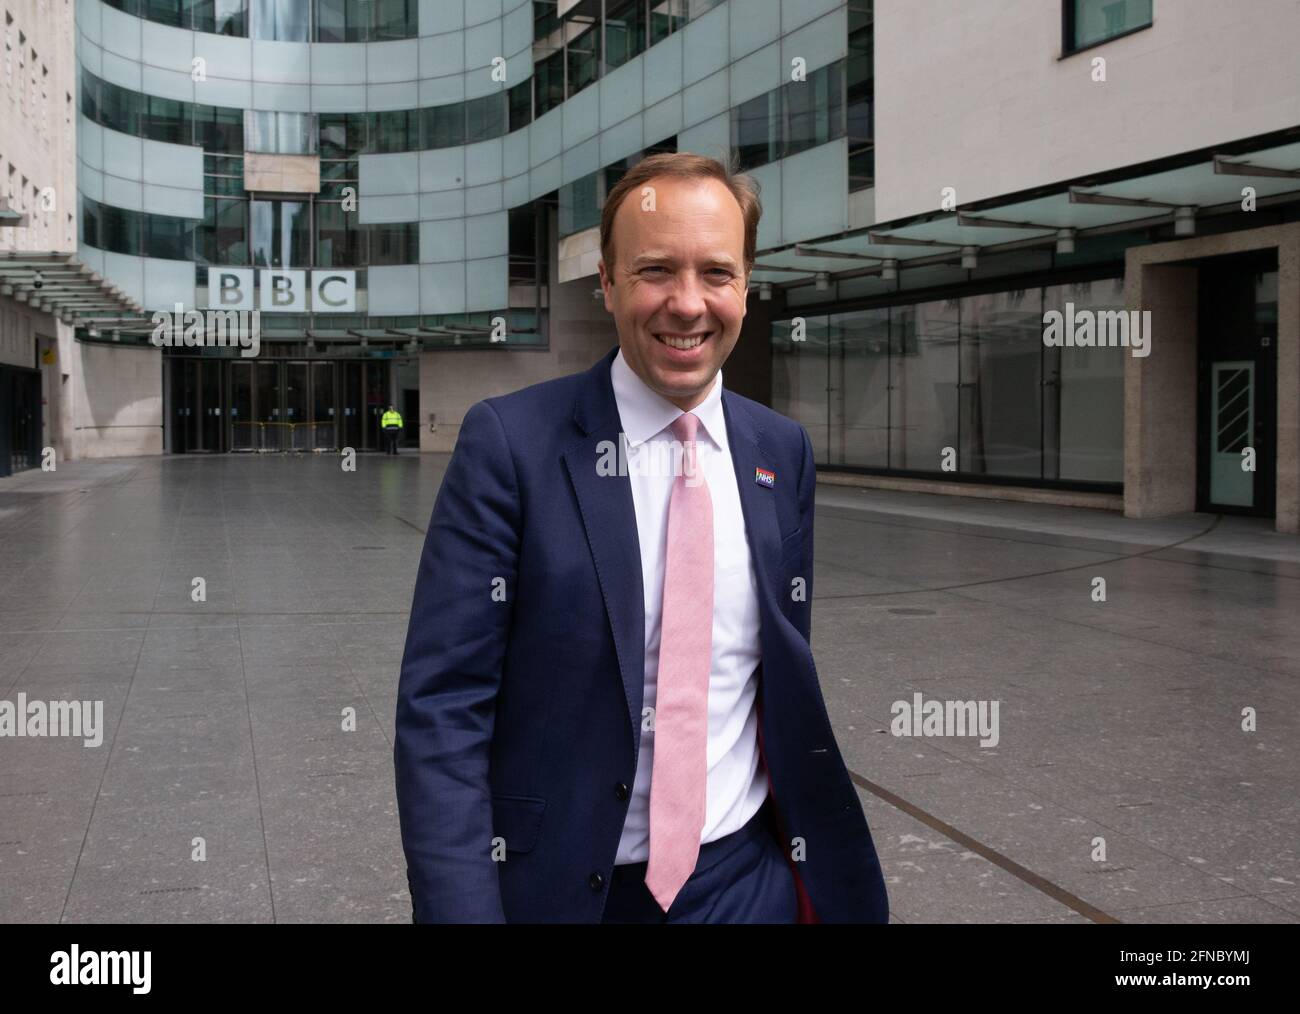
{"x": 780, "y": 428}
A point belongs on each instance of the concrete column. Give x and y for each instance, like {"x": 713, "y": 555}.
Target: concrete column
{"x": 1160, "y": 395}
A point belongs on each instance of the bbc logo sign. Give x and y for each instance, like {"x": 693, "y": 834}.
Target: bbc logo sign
{"x": 283, "y": 291}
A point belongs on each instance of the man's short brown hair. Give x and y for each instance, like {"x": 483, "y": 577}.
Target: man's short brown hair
{"x": 683, "y": 165}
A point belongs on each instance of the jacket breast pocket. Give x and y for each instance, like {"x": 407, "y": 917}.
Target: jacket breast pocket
{"x": 517, "y": 819}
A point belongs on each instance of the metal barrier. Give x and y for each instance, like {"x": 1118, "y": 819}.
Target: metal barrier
{"x": 283, "y": 437}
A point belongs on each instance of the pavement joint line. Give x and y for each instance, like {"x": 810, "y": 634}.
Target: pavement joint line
{"x": 1039, "y": 883}
{"x": 1025, "y": 577}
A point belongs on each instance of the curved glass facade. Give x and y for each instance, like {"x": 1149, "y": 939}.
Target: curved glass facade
{"x": 285, "y": 20}
{"x": 340, "y": 135}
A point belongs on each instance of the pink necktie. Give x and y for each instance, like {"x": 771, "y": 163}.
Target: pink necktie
{"x": 681, "y": 721}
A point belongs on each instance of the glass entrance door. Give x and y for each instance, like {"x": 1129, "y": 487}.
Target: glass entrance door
{"x": 197, "y": 414}
{"x": 364, "y": 387}
{"x": 322, "y": 406}
{"x": 1232, "y": 422}
{"x": 1237, "y": 400}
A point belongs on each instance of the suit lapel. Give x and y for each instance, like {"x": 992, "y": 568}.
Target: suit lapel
{"x": 757, "y": 503}
{"x": 609, "y": 517}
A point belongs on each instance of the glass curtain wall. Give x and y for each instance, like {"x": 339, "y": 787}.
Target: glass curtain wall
{"x": 961, "y": 385}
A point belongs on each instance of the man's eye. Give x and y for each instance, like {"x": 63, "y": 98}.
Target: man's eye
{"x": 654, "y": 267}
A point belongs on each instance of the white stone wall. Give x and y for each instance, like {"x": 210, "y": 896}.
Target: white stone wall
{"x": 977, "y": 95}
{"x": 117, "y": 402}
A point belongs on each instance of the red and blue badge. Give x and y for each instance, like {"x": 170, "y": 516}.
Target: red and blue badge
{"x": 764, "y": 478}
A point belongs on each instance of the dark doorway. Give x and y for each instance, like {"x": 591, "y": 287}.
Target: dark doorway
{"x": 20, "y": 419}
{"x": 197, "y": 407}
{"x": 411, "y": 418}
{"x": 1236, "y": 469}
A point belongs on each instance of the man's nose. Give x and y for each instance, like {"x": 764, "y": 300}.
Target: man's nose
{"x": 686, "y": 300}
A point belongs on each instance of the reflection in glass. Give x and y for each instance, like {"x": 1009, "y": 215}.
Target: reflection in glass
{"x": 1095, "y": 21}
{"x": 858, "y": 395}
{"x": 923, "y": 411}
{"x": 280, "y": 133}
{"x": 281, "y": 20}
{"x": 1001, "y": 383}
{"x": 1083, "y": 418}
{"x": 280, "y": 232}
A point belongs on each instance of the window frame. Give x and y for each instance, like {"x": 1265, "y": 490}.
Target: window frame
{"x": 1069, "y": 27}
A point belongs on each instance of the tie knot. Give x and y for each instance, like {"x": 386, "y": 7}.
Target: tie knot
{"x": 685, "y": 426}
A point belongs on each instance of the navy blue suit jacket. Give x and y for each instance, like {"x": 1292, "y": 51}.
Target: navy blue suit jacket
{"x": 519, "y": 711}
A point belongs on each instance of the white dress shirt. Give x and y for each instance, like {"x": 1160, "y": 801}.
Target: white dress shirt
{"x": 736, "y": 783}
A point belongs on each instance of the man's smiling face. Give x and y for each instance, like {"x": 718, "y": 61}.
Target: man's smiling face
{"x": 677, "y": 287}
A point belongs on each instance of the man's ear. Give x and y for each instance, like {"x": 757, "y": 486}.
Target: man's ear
{"x": 606, "y": 283}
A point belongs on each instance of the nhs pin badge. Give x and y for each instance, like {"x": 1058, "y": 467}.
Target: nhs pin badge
{"x": 764, "y": 478}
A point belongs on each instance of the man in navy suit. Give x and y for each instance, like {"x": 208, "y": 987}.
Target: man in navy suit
{"x": 608, "y": 708}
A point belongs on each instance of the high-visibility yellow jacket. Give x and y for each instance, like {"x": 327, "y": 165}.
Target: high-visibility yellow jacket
{"x": 391, "y": 419}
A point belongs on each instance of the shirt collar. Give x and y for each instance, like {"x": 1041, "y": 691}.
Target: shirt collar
{"x": 645, "y": 413}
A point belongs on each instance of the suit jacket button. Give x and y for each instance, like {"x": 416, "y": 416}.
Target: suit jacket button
{"x": 596, "y": 881}
{"x": 620, "y": 791}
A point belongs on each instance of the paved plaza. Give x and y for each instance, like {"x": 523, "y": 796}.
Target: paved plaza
{"x": 1122, "y": 786}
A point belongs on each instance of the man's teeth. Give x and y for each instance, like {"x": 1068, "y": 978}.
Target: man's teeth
{"x": 681, "y": 343}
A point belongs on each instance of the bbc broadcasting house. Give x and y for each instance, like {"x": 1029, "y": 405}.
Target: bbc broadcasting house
{"x": 1044, "y": 250}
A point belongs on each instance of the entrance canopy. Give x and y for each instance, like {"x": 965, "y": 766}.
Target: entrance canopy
{"x": 1179, "y": 191}
{"x": 58, "y": 284}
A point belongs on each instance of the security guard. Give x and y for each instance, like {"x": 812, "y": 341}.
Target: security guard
{"x": 391, "y": 424}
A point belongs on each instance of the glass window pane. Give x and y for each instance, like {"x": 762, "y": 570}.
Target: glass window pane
{"x": 395, "y": 243}
{"x": 221, "y": 17}
{"x": 444, "y": 126}
{"x": 281, "y": 20}
{"x": 219, "y": 128}
{"x": 625, "y": 26}
{"x": 1097, "y": 20}
{"x": 168, "y": 238}
{"x": 120, "y": 109}
{"x": 858, "y": 407}
{"x": 119, "y": 230}
{"x": 332, "y": 20}
{"x": 799, "y": 378}
{"x": 1001, "y": 384}
{"x": 280, "y": 233}
{"x": 923, "y": 413}
{"x": 90, "y": 219}
{"x": 166, "y": 120}
{"x": 223, "y": 235}
{"x": 338, "y": 237}
{"x": 666, "y": 17}
{"x": 579, "y": 204}
{"x": 394, "y": 19}
{"x": 1083, "y": 418}
{"x": 584, "y": 59}
{"x": 756, "y": 130}
{"x": 485, "y": 118}
{"x": 164, "y": 12}
{"x": 279, "y": 133}
{"x": 392, "y": 131}
{"x": 549, "y": 78}
{"x": 814, "y": 110}
{"x": 520, "y": 100}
